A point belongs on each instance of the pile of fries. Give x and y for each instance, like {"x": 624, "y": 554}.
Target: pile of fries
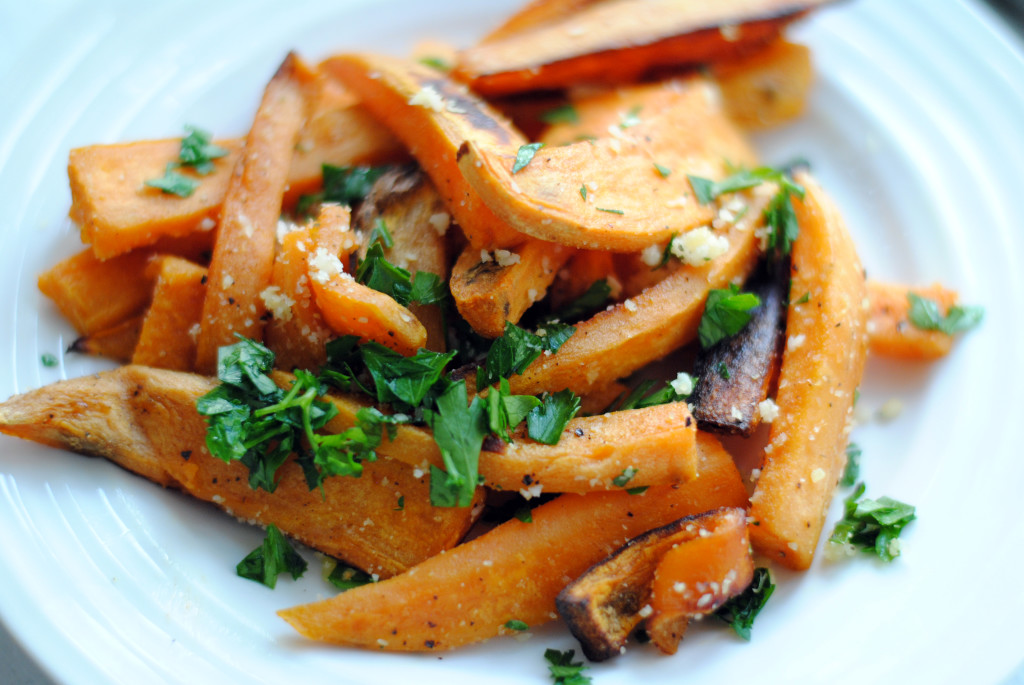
{"x": 571, "y": 176}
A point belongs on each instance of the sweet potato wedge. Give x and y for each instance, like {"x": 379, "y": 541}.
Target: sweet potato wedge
{"x": 492, "y": 288}
{"x": 145, "y": 420}
{"x": 728, "y": 402}
{"x": 768, "y": 87}
{"x": 615, "y": 343}
{"x": 117, "y": 342}
{"x": 168, "y": 336}
{"x": 117, "y": 212}
{"x": 513, "y": 572}
{"x": 890, "y": 332}
{"x": 608, "y": 193}
{"x": 619, "y": 40}
{"x": 697, "y": 576}
{"x": 433, "y": 115}
{"x": 822, "y": 365}
{"x": 534, "y": 14}
{"x": 409, "y": 206}
{"x": 243, "y": 256}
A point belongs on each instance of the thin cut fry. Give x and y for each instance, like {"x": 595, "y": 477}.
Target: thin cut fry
{"x": 821, "y": 369}
{"x": 243, "y": 257}
{"x": 513, "y": 572}
{"x": 168, "y": 336}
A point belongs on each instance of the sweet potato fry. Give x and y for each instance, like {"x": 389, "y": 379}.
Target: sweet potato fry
{"x": 410, "y": 208}
{"x": 603, "y": 606}
{"x": 728, "y": 403}
{"x": 243, "y": 256}
{"x": 145, "y": 420}
{"x": 700, "y": 574}
{"x": 890, "y": 333}
{"x": 117, "y": 342}
{"x": 97, "y": 295}
{"x": 608, "y": 193}
{"x": 768, "y": 87}
{"x": 117, "y": 212}
{"x": 433, "y": 115}
{"x": 583, "y": 269}
{"x": 822, "y": 365}
{"x": 168, "y": 336}
{"x": 619, "y": 40}
{"x": 534, "y": 14}
{"x": 615, "y": 343}
{"x": 492, "y": 288}
{"x": 515, "y": 571}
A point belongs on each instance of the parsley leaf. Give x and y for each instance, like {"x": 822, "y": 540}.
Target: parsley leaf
{"x": 631, "y": 118}
{"x": 621, "y": 480}
{"x": 726, "y": 313}
{"x": 741, "y": 610}
{"x": 852, "y": 471}
{"x": 781, "y": 219}
{"x": 583, "y": 192}
{"x": 517, "y": 348}
{"x": 610, "y": 211}
{"x": 198, "y": 151}
{"x": 872, "y": 525}
{"x": 375, "y": 271}
{"x": 380, "y": 234}
{"x": 586, "y": 304}
{"x": 346, "y": 577}
{"x": 505, "y": 411}
{"x": 662, "y": 170}
{"x": 517, "y": 625}
{"x": 342, "y": 184}
{"x": 434, "y": 62}
{"x": 525, "y": 155}
{"x": 173, "y": 183}
{"x": 546, "y": 422}
{"x": 563, "y": 114}
{"x": 459, "y": 430}
{"x": 401, "y": 381}
{"x": 272, "y": 558}
{"x": 925, "y": 315}
{"x": 49, "y": 360}
{"x": 563, "y": 670}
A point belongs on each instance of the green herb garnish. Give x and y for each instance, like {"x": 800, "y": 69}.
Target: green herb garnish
{"x": 198, "y": 151}
{"x": 346, "y": 577}
{"x": 583, "y": 192}
{"x": 380, "y": 234}
{"x": 517, "y": 348}
{"x": 342, "y": 184}
{"x": 516, "y": 625}
{"x": 563, "y": 670}
{"x": 546, "y": 422}
{"x": 872, "y": 525}
{"x": 852, "y": 471}
{"x": 662, "y": 170}
{"x": 726, "y": 312}
{"x": 48, "y": 360}
{"x": 459, "y": 430}
{"x": 610, "y": 211}
{"x": 505, "y": 411}
{"x": 741, "y": 610}
{"x": 563, "y": 114}
{"x": 621, "y": 480}
{"x": 925, "y": 315}
{"x": 272, "y": 558}
{"x": 525, "y": 155}
{"x": 173, "y": 183}
{"x": 435, "y": 62}
{"x": 375, "y": 271}
{"x": 631, "y": 118}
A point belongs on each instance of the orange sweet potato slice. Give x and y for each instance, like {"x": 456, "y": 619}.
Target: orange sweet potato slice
{"x": 169, "y": 329}
{"x": 513, "y": 572}
{"x": 492, "y": 288}
{"x": 609, "y": 193}
{"x": 768, "y": 87}
{"x": 433, "y": 115}
{"x": 117, "y": 342}
{"x": 822, "y": 365}
{"x": 619, "y": 40}
{"x": 890, "y": 332}
{"x": 534, "y": 14}
{"x": 697, "y": 576}
{"x": 243, "y": 256}
{"x": 145, "y": 420}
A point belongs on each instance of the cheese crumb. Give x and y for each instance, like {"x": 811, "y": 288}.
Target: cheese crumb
{"x": 325, "y": 265}
{"x": 817, "y": 474}
{"x": 630, "y": 305}
{"x": 646, "y": 611}
{"x": 506, "y": 258}
{"x": 768, "y": 410}
{"x": 794, "y": 342}
{"x": 651, "y": 255}
{"x": 485, "y": 256}
{"x": 699, "y": 246}
{"x": 246, "y": 224}
{"x": 429, "y": 98}
{"x": 890, "y": 409}
{"x": 207, "y": 224}
{"x": 731, "y": 32}
{"x": 440, "y": 222}
{"x": 683, "y": 384}
{"x": 532, "y": 491}
{"x": 735, "y": 413}
{"x": 227, "y": 282}
{"x": 279, "y": 304}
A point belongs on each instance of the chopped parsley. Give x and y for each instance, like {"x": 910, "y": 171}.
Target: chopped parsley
{"x": 380, "y": 234}
{"x": 583, "y": 192}
{"x": 639, "y": 398}
{"x": 546, "y": 422}
{"x": 459, "y": 431}
{"x": 741, "y": 610}
{"x": 346, "y": 577}
{"x": 723, "y": 371}
{"x": 804, "y": 299}
{"x": 638, "y": 490}
{"x": 342, "y": 184}
{"x": 563, "y": 114}
{"x": 524, "y": 514}
{"x": 621, "y": 480}
{"x": 925, "y": 315}
{"x": 49, "y": 360}
{"x": 872, "y": 525}
{"x": 505, "y": 411}
{"x": 631, "y": 118}
{"x": 400, "y": 505}
{"x": 272, "y": 558}
{"x": 517, "y": 348}
{"x": 517, "y": 625}
{"x": 662, "y": 170}
{"x": 434, "y": 62}
{"x": 726, "y": 312}
{"x": 563, "y": 670}
{"x": 173, "y": 183}
{"x": 586, "y": 304}
{"x": 197, "y": 152}
{"x": 610, "y": 211}
{"x": 375, "y": 271}
{"x": 852, "y": 471}
{"x": 525, "y": 155}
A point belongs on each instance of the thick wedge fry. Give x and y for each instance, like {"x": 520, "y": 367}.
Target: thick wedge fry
{"x": 243, "y": 257}
{"x": 612, "y": 193}
{"x": 117, "y": 212}
{"x": 433, "y": 115}
{"x": 515, "y": 571}
{"x": 821, "y": 368}
{"x": 618, "y": 40}
{"x": 169, "y": 329}
{"x": 617, "y": 342}
{"x": 890, "y": 332}
{"x": 768, "y": 87}
{"x": 145, "y": 420}
{"x": 492, "y": 288}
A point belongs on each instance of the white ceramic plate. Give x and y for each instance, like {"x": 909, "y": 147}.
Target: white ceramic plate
{"x": 915, "y": 127}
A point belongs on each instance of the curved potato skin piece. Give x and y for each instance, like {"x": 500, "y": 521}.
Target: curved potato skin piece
{"x": 145, "y": 420}
{"x": 515, "y": 571}
{"x": 822, "y": 367}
